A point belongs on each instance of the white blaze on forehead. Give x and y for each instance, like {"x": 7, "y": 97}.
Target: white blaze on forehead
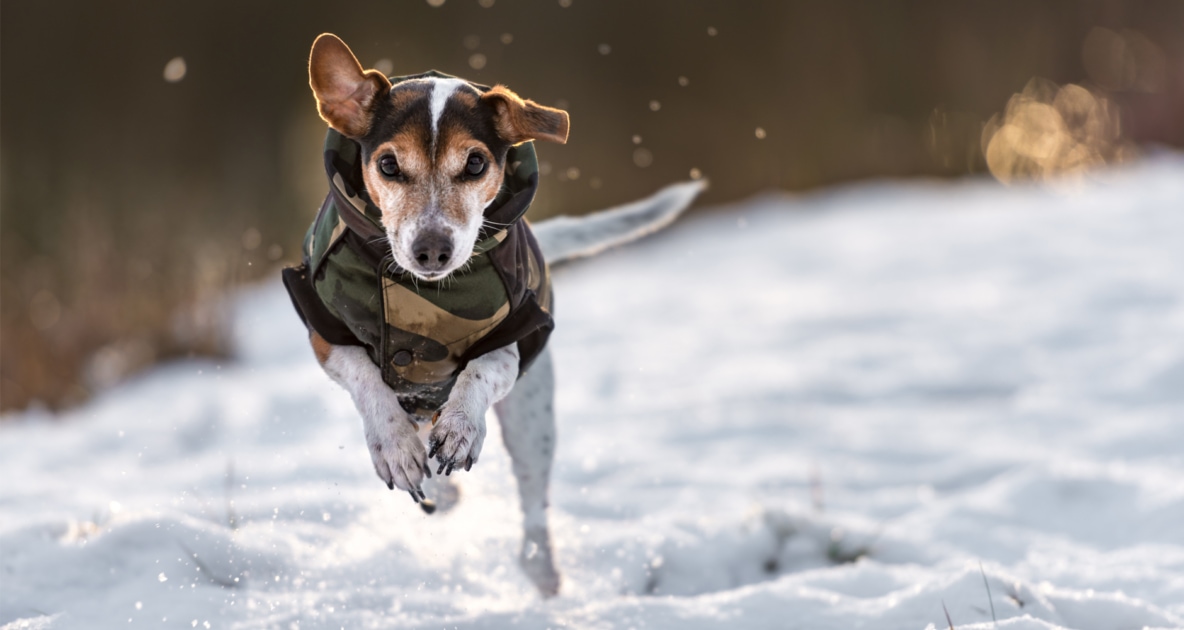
{"x": 441, "y": 90}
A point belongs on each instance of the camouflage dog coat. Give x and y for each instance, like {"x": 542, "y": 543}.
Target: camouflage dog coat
{"x": 422, "y": 334}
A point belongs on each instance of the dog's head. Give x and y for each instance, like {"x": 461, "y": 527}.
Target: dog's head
{"x": 433, "y": 150}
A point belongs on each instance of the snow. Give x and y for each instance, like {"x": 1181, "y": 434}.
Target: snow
{"x": 839, "y": 410}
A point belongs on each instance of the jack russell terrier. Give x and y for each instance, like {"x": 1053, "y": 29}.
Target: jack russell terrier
{"x": 425, "y": 292}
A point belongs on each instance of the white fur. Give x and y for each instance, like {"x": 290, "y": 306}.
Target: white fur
{"x": 527, "y": 418}
{"x": 460, "y": 428}
{"x": 565, "y": 238}
{"x": 397, "y": 453}
{"x": 525, "y": 410}
{"x": 442, "y": 89}
{"x": 391, "y": 433}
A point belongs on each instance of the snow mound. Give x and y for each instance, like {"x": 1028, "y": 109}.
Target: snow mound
{"x": 855, "y": 409}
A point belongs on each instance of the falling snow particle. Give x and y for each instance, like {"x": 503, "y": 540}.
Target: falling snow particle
{"x": 642, "y": 157}
{"x": 436, "y": 3}
{"x": 477, "y": 61}
{"x": 696, "y": 173}
{"x": 573, "y": 173}
{"x": 472, "y": 42}
{"x": 139, "y": 605}
{"x": 711, "y": 32}
{"x": 760, "y": 133}
{"x": 325, "y": 516}
{"x": 385, "y": 66}
{"x": 655, "y": 106}
{"x": 683, "y": 81}
{"x": 636, "y": 139}
{"x": 594, "y": 182}
{"x": 175, "y": 69}
{"x": 485, "y": 4}
{"x": 162, "y": 577}
{"x": 604, "y": 49}
{"x": 507, "y": 38}
{"x": 565, "y": 3}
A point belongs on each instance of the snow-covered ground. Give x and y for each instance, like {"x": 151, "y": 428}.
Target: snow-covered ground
{"x": 840, "y": 410}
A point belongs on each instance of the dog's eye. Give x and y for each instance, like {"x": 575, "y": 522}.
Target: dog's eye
{"x": 388, "y": 165}
{"x": 475, "y": 166}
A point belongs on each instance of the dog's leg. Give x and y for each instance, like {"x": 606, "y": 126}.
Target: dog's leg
{"x": 527, "y": 418}
{"x": 396, "y": 450}
{"x": 459, "y": 434}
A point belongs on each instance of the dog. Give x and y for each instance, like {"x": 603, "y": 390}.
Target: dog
{"x": 425, "y": 292}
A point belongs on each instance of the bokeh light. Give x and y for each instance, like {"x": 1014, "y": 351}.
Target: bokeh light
{"x": 1049, "y": 130}
{"x": 175, "y": 69}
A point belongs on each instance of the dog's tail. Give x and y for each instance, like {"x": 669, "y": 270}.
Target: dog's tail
{"x": 566, "y": 238}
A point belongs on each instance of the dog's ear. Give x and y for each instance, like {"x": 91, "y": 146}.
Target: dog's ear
{"x": 345, "y": 93}
{"x": 519, "y": 120}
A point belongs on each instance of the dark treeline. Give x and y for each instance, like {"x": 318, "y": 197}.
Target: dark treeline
{"x": 129, "y": 203}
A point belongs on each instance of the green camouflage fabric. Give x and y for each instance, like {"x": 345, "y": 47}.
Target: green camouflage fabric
{"x": 422, "y": 334}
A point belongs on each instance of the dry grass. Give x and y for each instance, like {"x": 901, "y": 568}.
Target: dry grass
{"x": 96, "y": 304}
{"x": 70, "y": 329}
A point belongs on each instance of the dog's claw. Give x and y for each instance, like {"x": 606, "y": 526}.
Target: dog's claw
{"x": 390, "y": 485}
{"x": 427, "y": 470}
{"x": 454, "y": 444}
{"x": 414, "y": 497}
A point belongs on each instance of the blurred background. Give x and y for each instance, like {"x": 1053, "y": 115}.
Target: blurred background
{"x": 155, "y": 156}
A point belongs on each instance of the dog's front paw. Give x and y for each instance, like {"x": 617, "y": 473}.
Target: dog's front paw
{"x": 455, "y": 440}
{"x": 398, "y": 455}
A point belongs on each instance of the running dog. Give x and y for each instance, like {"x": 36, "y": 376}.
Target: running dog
{"x": 426, "y": 294}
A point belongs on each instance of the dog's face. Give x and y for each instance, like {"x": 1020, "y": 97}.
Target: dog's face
{"x": 433, "y": 151}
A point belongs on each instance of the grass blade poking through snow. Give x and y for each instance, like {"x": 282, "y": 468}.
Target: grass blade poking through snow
{"x": 989, "y": 600}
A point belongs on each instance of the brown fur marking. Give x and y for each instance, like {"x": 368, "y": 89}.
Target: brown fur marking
{"x": 453, "y": 155}
{"x": 520, "y": 120}
{"x": 344, "y": 92}
{"x": 399, "y": 200}
{"x": 320, "y": 347}
{"x": 453, "y": 194}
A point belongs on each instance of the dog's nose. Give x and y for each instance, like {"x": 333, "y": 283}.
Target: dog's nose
{"x": 432, "y": 250}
